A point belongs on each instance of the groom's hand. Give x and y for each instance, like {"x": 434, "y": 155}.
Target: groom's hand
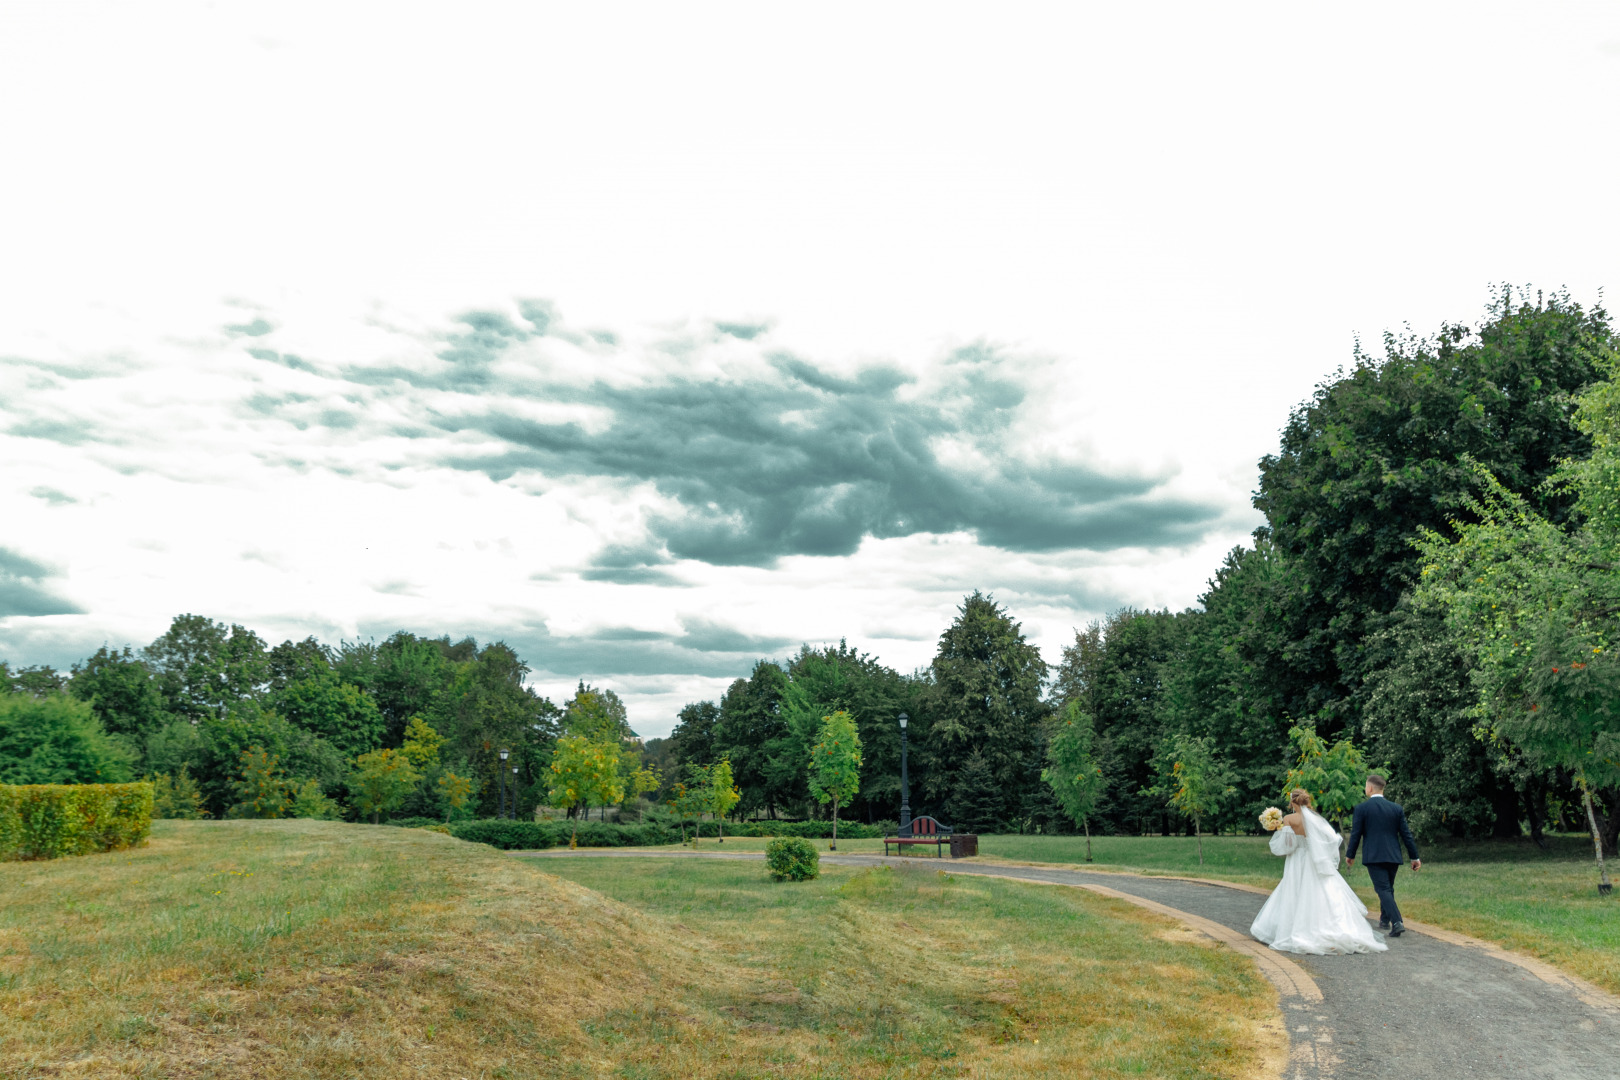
{"x": 1350, "y": 861}
{"x": 1417, "y": 864}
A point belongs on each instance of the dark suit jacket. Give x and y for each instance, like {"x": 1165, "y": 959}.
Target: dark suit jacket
{"x": 1383, "y": 825}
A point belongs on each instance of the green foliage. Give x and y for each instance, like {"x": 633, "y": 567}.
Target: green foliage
{"x": 308, "y": 801}
{"x": 454, "y": 793}
{"x": 792, "y": 859}
{"x": 1072, "y": 771}
{"x": 422, "y": 743}
{"x": 584, "y": 772}
{"x": 721, "y": 794}
{"x": 597, "y": 715}
{"x": 978, "y": 801}
{"x": 342, "y": 714}
{"x": 205, "y": 668}
{"x": 1381, "y": 454}
{"x": 538, "y": 835}
{"x": 986, "y": 711}
{"x": 749, "y": 727}
{"x": 122, "y": 692}
{"x": 261, "y": 790}
{"x": 1336, "y": 776}
{"x": 835, "y": 764}
{"x": 177, "y": 797}
{"x": 49, "y": 821}
{"x": 381, "y": 781}
{"x": 1193, "y": 779}
{"x": 216, "y": 758}
{"x": 56, "y": 739}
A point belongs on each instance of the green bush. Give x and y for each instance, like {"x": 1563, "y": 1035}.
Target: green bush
{"x": 48, "y": 821}
{"x": 792, "y": 858}
{"x": 56, "y": 739}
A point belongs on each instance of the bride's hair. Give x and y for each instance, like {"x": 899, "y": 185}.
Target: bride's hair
{"x": 1299, "y": 797}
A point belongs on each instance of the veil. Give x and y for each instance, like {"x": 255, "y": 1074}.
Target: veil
{"x": 1323, "y": 842}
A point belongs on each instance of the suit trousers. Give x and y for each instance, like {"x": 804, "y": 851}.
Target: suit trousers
{"x": 1383, "y": 883}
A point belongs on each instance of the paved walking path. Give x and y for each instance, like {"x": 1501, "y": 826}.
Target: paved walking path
{"x": 1436, "y": 1006}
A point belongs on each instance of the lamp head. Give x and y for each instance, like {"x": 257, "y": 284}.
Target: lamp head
{"x": 903, "y": 719}
{"x": 504, "y": 753}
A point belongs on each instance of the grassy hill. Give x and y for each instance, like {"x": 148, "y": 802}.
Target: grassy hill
{"x": 317, "y": 949}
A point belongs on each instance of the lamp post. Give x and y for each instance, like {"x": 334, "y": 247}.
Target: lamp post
{"x": 905, "y": 783}
{"x": 514, "y": 790}
{"x": 504, "y": 754}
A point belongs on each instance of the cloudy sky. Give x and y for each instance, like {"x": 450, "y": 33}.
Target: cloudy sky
{"x": 657, "y": 338}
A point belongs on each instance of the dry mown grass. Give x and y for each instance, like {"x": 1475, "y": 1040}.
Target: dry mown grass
{"x": 308, "y": 949}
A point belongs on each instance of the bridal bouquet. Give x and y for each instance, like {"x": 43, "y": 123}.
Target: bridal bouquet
{"x": 1271, "y": 819}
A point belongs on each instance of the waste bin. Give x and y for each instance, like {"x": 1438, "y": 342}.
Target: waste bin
{"x": 964, "y": 844}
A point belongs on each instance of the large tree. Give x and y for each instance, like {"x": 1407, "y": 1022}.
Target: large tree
{"x": 985, "y": 706}
{"x": 121, "y": 691}
{"x": 205, "y": 668}
{"x": 1377, "y": 455}
{"x": 750, "y": 720}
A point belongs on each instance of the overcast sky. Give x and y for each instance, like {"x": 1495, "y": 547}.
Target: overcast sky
{"x": 657, "y": 338}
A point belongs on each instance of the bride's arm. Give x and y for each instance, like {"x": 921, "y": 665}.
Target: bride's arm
{"x": 1284, "y": 841}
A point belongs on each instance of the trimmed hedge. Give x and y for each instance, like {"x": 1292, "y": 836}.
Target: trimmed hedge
{"x": 807, "y": 830}
{"x": 49, "y": 821}
{"x": 792, "y": 858}
{"x": 538, "y": 835}
{"x": 534, "y": 835}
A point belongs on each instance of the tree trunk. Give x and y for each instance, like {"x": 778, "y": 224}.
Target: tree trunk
{"x": 1198, "y": 831}
{"x": 1535, "y": 811}
{"x": 1604, "y": 888}
{"x": 376, "y": 817}
{"x": 834, "y": 845}
{"x": 720, "y": 824}
{"x": 573, "y": 839}
{"x": 1087, "y": 824}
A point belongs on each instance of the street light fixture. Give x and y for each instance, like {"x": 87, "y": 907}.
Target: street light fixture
{"x": 504, "y": 755}
{"x": 905, "y": 783}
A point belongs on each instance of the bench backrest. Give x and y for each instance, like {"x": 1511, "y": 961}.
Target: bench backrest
{"x": 925, "y": 826}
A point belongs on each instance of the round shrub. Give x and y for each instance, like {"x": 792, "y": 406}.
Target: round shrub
{"x": 792, "y": 858}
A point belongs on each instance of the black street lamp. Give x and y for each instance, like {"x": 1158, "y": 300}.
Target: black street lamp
{"x": 514, "y": 790}
{"x": 905, "y": 783}
{"x": 504, "y": 754}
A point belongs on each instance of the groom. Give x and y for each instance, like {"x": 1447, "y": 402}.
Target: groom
{"x": 1383, "y": 825}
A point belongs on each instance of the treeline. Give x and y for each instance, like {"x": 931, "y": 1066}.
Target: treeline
{"x": 197, "y": 699}
{"x": 1320, "y": 624}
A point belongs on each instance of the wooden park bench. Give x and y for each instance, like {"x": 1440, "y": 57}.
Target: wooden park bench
{"x": 922, "y": 830}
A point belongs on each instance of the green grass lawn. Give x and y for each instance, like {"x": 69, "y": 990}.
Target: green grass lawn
{"x": 301, "y": 949}
{"x": 918, "y": 972}
{"x": 1544, "y": 904}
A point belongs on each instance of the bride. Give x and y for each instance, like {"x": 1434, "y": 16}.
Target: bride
{"x": 1313, "y": 910}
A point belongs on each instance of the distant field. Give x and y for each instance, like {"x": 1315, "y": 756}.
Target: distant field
{"x": 282, "y": 949}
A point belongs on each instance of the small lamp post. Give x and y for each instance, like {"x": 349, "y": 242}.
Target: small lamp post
{"x": 905, "y": 783}
{"x": 514, "y": 790}
{"x": 504, "y": 755}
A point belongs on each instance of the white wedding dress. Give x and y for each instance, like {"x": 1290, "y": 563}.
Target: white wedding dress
{"x": 1313, "y": 910}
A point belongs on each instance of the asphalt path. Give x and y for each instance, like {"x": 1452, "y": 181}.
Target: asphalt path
{"x": 1436, "y": 1006}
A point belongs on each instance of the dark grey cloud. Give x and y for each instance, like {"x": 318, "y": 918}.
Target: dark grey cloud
{"x": 68, "y": 432}
{"x": 23, "y": 589}
{"x": 741, "y": 330}
{"x": 53, "y": 496}
{"x": 812, "y": 463}
{"x": 257, "y": 328}
{"x": 790, "y": 459}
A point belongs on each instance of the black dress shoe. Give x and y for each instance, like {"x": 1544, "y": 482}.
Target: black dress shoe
{"x": 1397, "y": 930}
{"x": 1384, "y": 925}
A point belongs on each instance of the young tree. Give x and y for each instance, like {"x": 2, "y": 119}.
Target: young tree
{"x": 835, "y": 764}
{"x": 177, "y": 797}
{"x": 1336, "y": 776}
{"x": 584, "y": 771}
{"x": 309, "y": 801}
{"x": 381, "y": 781}
{"x": 261, "y": 789}
{"x": 687, "y": 799}
{"x": 1195, "y": 781}
{"x": 454, "y": 792}
{"x": 1072, "y": 772}
{"x": 722, "y": 794}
